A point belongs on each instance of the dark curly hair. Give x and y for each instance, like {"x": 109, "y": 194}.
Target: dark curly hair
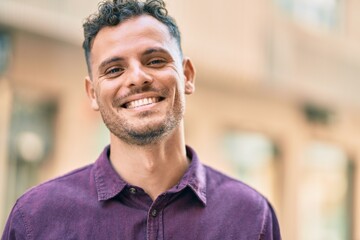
{"x": 112, "y": 13}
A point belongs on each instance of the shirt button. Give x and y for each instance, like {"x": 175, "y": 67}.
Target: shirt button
{"x": 132, "y": 190}
{"x": 154, "y": 212}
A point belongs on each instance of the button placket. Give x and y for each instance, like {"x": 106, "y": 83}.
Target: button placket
{"x": 155, "y": 218}
{"x": 154, "y": 213}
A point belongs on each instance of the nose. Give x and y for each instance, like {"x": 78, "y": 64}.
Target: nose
{"x": 137, "y": 76}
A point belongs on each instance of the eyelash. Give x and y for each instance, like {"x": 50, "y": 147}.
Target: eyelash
{"x": 114, "y": 70}
{"x": 156, "y": 61}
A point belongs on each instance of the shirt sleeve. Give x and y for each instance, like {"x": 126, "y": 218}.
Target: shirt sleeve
{"x": 271, "y": 228}
{"x": 15, "y": 227}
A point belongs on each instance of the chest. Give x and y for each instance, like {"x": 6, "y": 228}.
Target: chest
{"x": 187, "y": 219}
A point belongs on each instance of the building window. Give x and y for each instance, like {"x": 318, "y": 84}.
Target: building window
{"x": 325, "y": 193}
{"x": 255, "y": 162}
{"x": 321, "y": 13}
{"x": 4, "y": 51}
{"x": 31, "y": 139}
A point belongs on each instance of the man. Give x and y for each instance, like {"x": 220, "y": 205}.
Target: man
{"x": 147, "y": 184}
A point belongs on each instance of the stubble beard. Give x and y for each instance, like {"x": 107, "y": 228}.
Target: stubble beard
{"x": 149, "y": 134}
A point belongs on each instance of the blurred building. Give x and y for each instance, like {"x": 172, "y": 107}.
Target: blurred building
{"x": 276, "y": 103}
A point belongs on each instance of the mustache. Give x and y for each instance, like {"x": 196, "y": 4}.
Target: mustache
{"x": 136, "y": 90}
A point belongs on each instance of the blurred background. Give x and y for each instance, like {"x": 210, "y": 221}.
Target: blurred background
{"x": 277, "y": 103}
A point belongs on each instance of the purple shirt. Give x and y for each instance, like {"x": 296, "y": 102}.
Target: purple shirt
{"x": 95, "y": 203}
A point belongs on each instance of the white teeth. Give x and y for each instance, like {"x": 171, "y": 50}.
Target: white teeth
{"x": 142, "y": 102}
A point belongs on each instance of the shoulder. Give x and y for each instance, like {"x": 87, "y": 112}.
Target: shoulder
{"x": 220, "y": 182}
{"x": 42, "y": 204}
{"x": 57, "y": 189}
{"x": 239, "y": 202}
{"x": 233, "y": 194}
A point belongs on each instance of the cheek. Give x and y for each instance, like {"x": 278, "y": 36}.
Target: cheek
{"x": 107, "y": 90}
{"x": 179, "y": 95}
{"x": 180, "y": 87}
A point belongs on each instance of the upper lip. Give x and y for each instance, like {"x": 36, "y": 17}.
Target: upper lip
{"x": 139, "y": 96}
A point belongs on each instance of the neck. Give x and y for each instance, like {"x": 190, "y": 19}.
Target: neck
{"x": 156, "y": 167}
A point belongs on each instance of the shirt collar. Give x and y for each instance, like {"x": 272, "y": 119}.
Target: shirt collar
{"x": 195, "y": 176}
{"x": 109, "y": 183}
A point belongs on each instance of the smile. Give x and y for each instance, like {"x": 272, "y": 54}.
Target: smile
{"x": 141, "y": 102}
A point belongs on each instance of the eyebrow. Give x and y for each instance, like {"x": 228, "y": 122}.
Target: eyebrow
{"x": 152, "y": 50}
{"x": 108, "y": 61}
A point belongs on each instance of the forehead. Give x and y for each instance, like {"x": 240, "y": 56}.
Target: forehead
{"x": 138, "y": 32}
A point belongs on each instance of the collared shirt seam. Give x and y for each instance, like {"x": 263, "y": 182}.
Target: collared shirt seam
{"x": 26, "y": 224}
{"x": 103, "y": 193}
{"x": 265, "y": 222}
{"x": 105, "y": 189}
{"x": 198, "y": 194}
{"x": 100, "y": 186}
{"x": 97, "y": 183}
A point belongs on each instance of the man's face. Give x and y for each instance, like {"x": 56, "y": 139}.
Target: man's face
{"x": 139, "y": 80}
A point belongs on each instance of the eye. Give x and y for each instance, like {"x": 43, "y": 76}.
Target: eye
{"x": 115, "y": 71}
{"x": 157, "y": 62}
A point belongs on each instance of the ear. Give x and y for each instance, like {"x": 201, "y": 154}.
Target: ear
{"x": 90, "y": 90}
{"x": 189, "y": 74}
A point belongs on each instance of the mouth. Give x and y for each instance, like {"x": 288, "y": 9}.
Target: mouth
{"x": 141, "y": 102}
